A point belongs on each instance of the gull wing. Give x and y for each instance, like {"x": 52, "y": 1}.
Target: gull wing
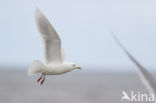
{"x": 145, "y": 76}
{"x": 63, "y": 54}
{"x": 51, "y": 40}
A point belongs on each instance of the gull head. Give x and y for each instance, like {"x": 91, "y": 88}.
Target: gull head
{"x": 73, "y": 66}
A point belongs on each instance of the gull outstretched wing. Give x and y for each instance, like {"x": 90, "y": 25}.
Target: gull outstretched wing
{"x": 146, "y": 77}
{"x": 51, "y": 40}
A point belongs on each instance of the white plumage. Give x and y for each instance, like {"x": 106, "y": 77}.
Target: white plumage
{"x": 51, "y": 40}
{"x": 53, "y": 53}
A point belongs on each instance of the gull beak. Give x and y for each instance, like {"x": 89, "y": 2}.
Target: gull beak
{"x": 78, "y": 68}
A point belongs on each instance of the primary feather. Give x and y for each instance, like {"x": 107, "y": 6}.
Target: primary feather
{"x": 145, "y": 76}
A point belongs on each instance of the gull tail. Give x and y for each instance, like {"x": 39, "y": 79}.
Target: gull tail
{"x": 145, "y": 76}
{"x": 36, "y": 67}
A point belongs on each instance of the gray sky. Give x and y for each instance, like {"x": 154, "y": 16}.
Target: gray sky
{"x": 84, "y": 27}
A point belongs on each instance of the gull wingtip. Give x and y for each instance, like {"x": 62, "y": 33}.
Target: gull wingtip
{"x": 37, "y": 9}
{"x": 38, "y": 12}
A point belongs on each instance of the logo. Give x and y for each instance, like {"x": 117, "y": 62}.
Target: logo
{"x": 137, "y": 96}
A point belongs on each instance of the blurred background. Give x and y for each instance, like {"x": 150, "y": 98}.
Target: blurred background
{"x": 85, "y": 29}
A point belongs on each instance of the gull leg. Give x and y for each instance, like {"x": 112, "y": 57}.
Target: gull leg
{"x": 40, "y": 78}
{"x": 43, "y": 79}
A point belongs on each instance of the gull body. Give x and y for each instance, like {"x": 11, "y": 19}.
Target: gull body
{"x": 52, "y": 69}
{"x": 54, "y": 55}
{"x": 61, "y": 69}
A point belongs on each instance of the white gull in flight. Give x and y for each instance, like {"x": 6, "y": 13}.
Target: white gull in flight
{"x": 53, "y": 52}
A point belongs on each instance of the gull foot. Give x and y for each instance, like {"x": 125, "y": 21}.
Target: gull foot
{"x": 43, "y": 79}
{"x": 40, "y": 78}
